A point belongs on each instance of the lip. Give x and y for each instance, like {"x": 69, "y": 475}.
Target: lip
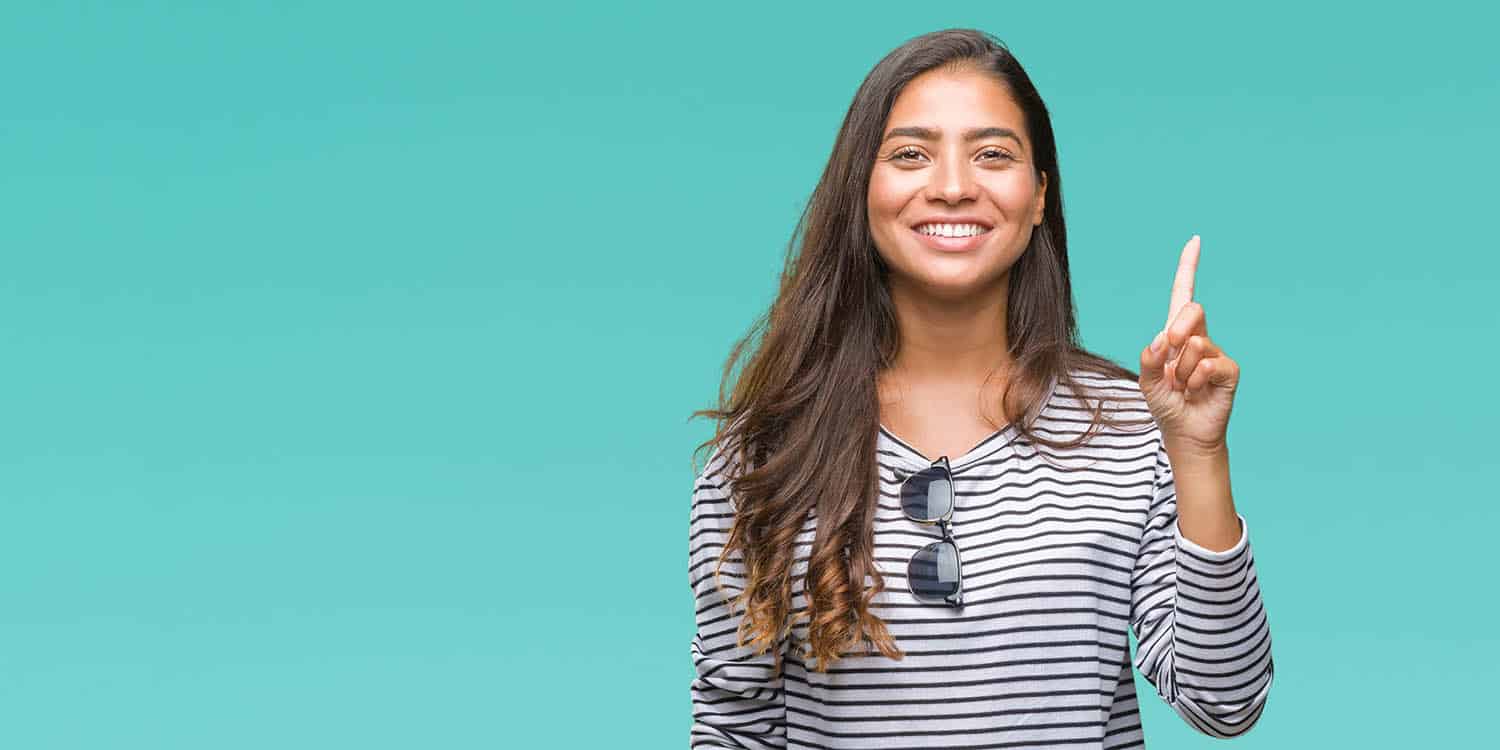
{"x": 953, "y": 244}
{"x": 955, "y": 219}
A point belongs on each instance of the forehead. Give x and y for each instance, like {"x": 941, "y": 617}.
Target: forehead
{"x": 954, "y": 101}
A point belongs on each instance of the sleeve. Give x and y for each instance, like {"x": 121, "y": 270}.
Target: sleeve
{"x": 1203, "y": 639}
{"x": 737, "y": 695}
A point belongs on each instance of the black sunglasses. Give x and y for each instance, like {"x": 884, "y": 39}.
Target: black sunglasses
{"x": 934, "y": 573}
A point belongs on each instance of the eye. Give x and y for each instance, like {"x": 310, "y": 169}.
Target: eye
{"x": 908, "y": 151}
{"x": 1000, "y": 154}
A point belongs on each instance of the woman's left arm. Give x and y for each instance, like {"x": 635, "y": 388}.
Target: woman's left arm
{"x": 1189, "y": 385}
{"x": 1204, "y": 638}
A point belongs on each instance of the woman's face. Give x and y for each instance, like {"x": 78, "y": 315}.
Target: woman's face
{"x": 956, "y": 152}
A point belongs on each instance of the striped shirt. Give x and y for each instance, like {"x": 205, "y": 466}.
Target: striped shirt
{"x": 1063, "y": 553}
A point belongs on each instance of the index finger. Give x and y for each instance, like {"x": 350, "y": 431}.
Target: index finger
{"x": 1182, "y": 286}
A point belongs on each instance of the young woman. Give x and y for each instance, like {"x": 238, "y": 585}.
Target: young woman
{"x": 929, "y": 517}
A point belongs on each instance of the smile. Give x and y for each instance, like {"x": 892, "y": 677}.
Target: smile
{"x": 951, "y": 237}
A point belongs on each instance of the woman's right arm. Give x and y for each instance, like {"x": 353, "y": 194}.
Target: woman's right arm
{"x": 737, "y": 695}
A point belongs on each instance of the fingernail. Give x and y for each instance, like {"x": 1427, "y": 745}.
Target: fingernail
{"x": 1157, "y": 342}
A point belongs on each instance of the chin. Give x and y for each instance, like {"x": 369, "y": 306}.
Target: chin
{"x": 955, "y": 285}
{"x": 961, "y": 272}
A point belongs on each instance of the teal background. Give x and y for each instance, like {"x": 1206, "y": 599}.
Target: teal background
{"x": 349, "y": 347}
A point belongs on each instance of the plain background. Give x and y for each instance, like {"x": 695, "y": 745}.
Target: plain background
{"x": 348, "y": 348}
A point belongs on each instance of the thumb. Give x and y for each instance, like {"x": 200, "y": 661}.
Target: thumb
{"x": 1153, "y": 362}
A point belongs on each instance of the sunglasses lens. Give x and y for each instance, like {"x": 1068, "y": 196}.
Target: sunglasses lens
{"x": 933, "y": 571}
{"x": 927, "y": 495}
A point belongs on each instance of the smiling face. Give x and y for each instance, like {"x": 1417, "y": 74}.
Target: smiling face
{"x": 956, "y": 152}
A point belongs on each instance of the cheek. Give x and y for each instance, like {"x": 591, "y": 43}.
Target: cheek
{"x": 887, "y": 195}
{"x": 1014, "y": 192}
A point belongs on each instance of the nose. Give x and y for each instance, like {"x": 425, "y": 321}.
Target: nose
{"x": 952, "y": 181}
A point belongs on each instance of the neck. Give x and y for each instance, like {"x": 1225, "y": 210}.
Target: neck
{"x": 954, "y": 342}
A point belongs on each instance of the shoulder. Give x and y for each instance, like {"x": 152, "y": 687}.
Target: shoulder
{"x": 1118, "y": 401}
{"x": 1116, "y": 392}
{"x": 713, "y": 486}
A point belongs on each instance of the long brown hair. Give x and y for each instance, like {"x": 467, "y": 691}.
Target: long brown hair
{"x": 801, "y": 422}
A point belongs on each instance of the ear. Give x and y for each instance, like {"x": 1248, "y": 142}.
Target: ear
{"x": 1041, "y": 201}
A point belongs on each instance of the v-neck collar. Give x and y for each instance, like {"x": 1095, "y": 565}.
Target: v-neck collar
{"x": 981, "y": 450}
{"x": 955, "y": 463}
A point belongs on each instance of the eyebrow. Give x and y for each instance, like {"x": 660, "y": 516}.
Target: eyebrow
{"x": 972, "y": 134}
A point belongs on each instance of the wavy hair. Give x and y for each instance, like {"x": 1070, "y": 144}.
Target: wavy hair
{"x": 800, "y": 421}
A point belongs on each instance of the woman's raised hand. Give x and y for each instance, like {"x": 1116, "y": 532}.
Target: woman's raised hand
{"x": 1188, "y": 381}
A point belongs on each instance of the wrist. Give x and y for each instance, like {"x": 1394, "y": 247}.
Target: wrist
{"x": 1195, "y": 451}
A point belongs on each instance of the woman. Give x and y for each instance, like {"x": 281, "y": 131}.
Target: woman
{"x": 929, "y": 517}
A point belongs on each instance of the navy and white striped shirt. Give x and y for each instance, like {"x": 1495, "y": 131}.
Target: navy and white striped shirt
{"x": 1063, "y": 553}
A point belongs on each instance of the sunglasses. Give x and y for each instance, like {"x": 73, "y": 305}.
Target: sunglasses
{"x": 934, "y": 573}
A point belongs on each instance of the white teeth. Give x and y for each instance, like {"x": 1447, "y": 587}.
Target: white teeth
{"x": 951, "y": 230}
